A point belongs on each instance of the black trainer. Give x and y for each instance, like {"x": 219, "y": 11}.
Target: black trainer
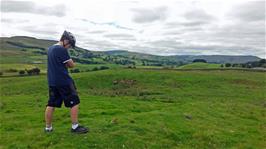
{"x": 48, "y": 130}
{"x": 79, "y": 130}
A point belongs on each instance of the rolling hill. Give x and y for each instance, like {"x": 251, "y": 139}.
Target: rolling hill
{"x": 188, "y": 58}
{"x": 20, "y": 52}
{"x": 199, "y": 65}
{"x": 18, "y": 43}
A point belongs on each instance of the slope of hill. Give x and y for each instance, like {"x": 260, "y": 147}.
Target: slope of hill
{"x": 222, "y": 58}
{"x": 32, "y": 51}
{"x": 20, "y": 53}
{"x": 188, "y": 58}
{"x": 23, "y": 42}
{"x": 199, "y": 65}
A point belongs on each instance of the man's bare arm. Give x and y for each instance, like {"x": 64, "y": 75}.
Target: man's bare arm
{"x": 70, "y": 64}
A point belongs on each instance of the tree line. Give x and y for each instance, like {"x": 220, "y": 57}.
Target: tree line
{"x": 261, "y": 63}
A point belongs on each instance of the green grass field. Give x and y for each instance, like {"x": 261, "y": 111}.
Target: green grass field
{"x": 131, "y": 108}
{"x": 199, "y": 65}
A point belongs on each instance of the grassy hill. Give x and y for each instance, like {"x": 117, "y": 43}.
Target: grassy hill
{"x": 199, "y": 65}
{"x": 21, "y": 52}
{"x": 131, "y": 108}
{"x": 188, "y": 58}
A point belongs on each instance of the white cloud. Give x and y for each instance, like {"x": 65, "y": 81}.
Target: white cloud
{"x": 144, "y": 15}
{"x": 31, "y": 7}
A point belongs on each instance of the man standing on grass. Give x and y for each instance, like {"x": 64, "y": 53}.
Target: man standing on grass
{"x": 61, "y": 86}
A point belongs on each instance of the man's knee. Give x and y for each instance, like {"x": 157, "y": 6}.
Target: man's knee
{"x": 50, "y": 108}
{"x": 75, "y": 106}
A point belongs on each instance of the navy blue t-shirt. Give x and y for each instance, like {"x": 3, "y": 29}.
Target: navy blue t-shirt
{"x": 57, "y": 71}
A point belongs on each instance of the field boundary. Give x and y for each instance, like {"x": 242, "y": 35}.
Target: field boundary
{"x": 208, "y": 69}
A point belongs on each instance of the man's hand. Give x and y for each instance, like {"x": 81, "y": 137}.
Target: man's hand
{"x": 70, "y": 64}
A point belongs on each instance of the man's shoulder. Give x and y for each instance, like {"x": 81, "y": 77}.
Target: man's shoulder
{"x": 56, "y": 46}
{"x": 56, "y": 49}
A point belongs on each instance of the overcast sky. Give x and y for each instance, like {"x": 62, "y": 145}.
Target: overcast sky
{"x": 165, "y": 27}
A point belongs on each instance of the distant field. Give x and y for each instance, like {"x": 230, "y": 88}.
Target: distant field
{"x": 133, "y": 108}
{"x": 200, "y": 65}
{"x": 5, "y": 68}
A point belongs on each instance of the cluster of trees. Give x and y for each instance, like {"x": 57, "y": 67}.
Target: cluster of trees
{"x": 100, "y": 68}
{"x": 146, "y": 62}
{"x": 83, "y": 54}
{"x": 34, "y": 71}
{"x": 83, "y": 61}
{"x": 199, "y": 60}
{"x": 124, "y": 62}
{"x": 12, "y": 70}
{"x": 260, "y": 63}
{"x": 118, "y": 60}
{"x": 131, "y": 61}
{"x": 76, "y": 70}
{"x": 151, "y": 64}
{"x": 132, "y": 67}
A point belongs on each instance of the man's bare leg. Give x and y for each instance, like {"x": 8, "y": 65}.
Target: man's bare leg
{"x": 49, "y": 116}
{"x": 74, "y": 114}
{"x": 76, "y": 128}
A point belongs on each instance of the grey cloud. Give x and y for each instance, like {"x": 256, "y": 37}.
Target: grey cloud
{"x": 31, "y": 7}
{"x": 120, "y": 36}
{"x": 101, "y": 44}
{"x": 96, "y": 32}
{"x": 7, "y": 20}
{"x": 186, "y": 24}
{"x": 231, "y": 39}
{"x": 164, "y": 43}
{"x": 174, "y": 47}
{"x": 194, "y": 23}
{"x": 172, "y": 32}
{"x": 198, "y": 15}
{"x": 17, "y": 6}
{"x": 184, "y": 27}
{"x": 149, "y": 15}
{"x": 172, "y": 24}
{"x": 250, "y": 11}
{"x": 192, "y": 29}
{"x": 113, "y": 24}
{"x": 44, "y": 30}
{"x": 158, "y": 50}
{"x": 251, "y": 34}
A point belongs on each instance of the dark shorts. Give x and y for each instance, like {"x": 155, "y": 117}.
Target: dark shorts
{"x": 67, "y": 93}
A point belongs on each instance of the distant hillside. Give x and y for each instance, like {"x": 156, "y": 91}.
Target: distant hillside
{"x": 27, "y": 47}
{"x": 220, "y": 58}
{"x": 19, "y": 45}
{"x": 188, "y": 58}
{"x": 199, "y": 65}
{"x": 22, "y": 42}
